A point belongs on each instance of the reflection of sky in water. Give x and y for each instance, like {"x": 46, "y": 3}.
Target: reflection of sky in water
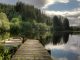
{"x": 69, "y": 51}
{"x": 67, "y": 55}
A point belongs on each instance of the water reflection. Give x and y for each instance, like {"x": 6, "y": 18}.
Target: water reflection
{"x": 64, "y": 55}
{"x": 68, "y": 49}
{"x": 65, "y": 37}
{"x": 60, "y": 37}
{"x": 56, "y": 38}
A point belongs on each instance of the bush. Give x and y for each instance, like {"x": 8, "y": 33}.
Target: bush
{"x": 4, "y": 22}
{"x": 6, "y": 52}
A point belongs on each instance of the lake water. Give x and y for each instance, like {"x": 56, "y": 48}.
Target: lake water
{"x": 68, "y": 51}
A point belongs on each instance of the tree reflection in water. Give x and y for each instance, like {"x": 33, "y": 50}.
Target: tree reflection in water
{"x": 56, "y": 38}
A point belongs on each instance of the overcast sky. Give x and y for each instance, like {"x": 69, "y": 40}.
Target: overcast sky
{"x": 68, "y": 8}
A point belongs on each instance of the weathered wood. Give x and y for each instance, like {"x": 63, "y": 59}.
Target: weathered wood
{"x": 31, "y": 50}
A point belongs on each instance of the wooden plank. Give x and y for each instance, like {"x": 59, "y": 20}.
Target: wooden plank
{"x": 31, "y": 50}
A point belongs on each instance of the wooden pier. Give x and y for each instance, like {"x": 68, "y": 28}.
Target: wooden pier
{"x": 31, "y": 50}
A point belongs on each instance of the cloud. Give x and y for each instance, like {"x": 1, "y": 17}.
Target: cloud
{"x": 78, "y": 0}
{"x": 73, "y": 15}
{"x": 78, "y": 17}
{"x": 36, "y": 3}
{"x": 43, "y": 3}
{"x": 61, "y": 1}
{"x": 49, "y": 2}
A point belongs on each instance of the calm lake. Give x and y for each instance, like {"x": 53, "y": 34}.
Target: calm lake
{"x": 66, "y": 51}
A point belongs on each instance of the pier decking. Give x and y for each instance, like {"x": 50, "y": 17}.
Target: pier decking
{"x": 31, "y": 50}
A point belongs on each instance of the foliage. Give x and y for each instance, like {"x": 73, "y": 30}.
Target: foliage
{"x": 6, "y": 52}
{"x": 34, "y": 29}
{"x": 26, "y": 29}
{"x": 4, "y": 35}
{"x": 43, "y": 29}
{"x": 57, "y": 24}
{"x": 15, "y": 25}
{"x": 4, "y": 22}
{"x": 66, "y": 24}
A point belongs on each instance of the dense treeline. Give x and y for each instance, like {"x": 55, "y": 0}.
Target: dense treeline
{"x": 27, "y": 21}
{"x": 60, "y": 23}
{"x": 74, "y": 28}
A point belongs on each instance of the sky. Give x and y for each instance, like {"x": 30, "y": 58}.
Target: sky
{"x": 67, "y": 8}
